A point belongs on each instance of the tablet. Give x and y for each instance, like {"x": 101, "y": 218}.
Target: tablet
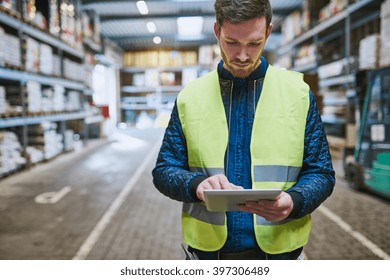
{"x": 229, "y": 200}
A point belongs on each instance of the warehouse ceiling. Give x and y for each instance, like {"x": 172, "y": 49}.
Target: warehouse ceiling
{"x": 121, "y": 21}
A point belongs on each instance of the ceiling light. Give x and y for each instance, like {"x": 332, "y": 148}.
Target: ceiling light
{"x": 189, "y": 26}
{"x": 151, "y": 27}
{"x": 142, "y": 7}
{"x": 157, "y": 40}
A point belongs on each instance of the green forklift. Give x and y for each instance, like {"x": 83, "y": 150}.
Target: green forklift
{"x": 368, "y": 169}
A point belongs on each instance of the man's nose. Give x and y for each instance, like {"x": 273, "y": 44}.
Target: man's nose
{"x": 242, "y": 54}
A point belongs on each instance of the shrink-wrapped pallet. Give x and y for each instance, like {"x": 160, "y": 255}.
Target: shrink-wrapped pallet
{"x": 369, "y": 49}
{"x": 10, "y": 153}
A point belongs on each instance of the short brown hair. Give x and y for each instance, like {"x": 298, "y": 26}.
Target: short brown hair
{"x": 236, "y": 11}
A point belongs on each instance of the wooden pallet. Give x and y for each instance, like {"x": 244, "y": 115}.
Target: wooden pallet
{"x": 336, "y": 146}
{"x": 13, "y": 67}
{"x": 8, "y": 115}
{"x": 10, "y": 12}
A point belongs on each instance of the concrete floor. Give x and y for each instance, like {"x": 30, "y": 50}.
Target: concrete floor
{"x": 100, "y": 203}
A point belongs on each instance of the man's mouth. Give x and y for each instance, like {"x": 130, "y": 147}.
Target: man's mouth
{"x": 241, "y": 65}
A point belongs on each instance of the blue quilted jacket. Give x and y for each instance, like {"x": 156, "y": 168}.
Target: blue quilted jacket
{"x": 172, "y": 177}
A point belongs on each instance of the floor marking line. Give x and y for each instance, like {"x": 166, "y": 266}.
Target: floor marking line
{"x": 355, "y": 234}
{"x": 97, "y": 231}
{"x": 52, "y": 197}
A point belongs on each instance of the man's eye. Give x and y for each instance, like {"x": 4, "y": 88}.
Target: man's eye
{"x": 232, "y": 43}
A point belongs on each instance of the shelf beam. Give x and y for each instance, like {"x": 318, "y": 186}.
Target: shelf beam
{"x": 16, "y": 75}
{"x": 40, "y": 35}
{"x": 324, "y": 25}
{"x": 21, "y": 121}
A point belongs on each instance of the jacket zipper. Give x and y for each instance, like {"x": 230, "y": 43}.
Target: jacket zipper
{"x": 254, "y": 99}
{"x": 230, "y": 116}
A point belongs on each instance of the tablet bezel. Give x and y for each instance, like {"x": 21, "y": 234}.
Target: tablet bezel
{"x": 229, "y": 200}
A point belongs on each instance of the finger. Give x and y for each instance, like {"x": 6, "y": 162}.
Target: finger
{"x": 258, "y": 212}
{"x": 224, "y": 182}
{"x": 235, "y": 187}
{"x": 253, "y": 207}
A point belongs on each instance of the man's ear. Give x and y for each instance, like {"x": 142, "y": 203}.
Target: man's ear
{"x": 269, "y": 30}
{"x": 217, "y": 30}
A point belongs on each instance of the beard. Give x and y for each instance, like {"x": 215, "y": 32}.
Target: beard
{"x": 238, "y": 68}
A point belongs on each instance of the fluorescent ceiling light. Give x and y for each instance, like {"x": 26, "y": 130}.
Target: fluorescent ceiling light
{"x": 151, "y": 26}
{"x": 157, "y": 40}
{"x": 142, "y": 7}
{"x": 189, "y": 26}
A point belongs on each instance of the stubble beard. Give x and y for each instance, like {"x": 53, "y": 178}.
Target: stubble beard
{"x": 238, "y": 68}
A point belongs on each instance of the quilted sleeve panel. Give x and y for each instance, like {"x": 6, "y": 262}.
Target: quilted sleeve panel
{"x": 317, "y": 178}
{"x": 171, "y": 175}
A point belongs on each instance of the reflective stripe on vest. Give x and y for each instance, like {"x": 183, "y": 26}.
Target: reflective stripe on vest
{"x": 276, "y": 154}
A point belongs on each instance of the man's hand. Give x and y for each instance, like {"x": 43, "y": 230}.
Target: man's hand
{"x": 271, "y": 210}
{"x": 216, "y": 182}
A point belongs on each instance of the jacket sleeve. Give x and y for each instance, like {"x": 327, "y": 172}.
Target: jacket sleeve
{"x": 171, "y": 175}
{"x": 317, "y": 177}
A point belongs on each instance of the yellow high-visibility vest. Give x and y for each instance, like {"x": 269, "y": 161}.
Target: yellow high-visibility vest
{"x": 277, "y": 147}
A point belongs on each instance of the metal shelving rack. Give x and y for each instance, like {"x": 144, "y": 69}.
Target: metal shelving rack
{"x": 20, "y": 77}
{"x": 337, "y": 27}
{"x": 133, "y": 97}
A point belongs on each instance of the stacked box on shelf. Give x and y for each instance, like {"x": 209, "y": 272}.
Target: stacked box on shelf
{"x": 54, "y": 17}
{"x": 311, "y": 12}
{"x": 74, "y": 71}
{"x": 87, "y": 26}
{"x": 69, "y": 142}
{"x": 10, "y": 153}
{"x": 8, "y": 4}
{"x": 13, "y": 100}
{"x": 44, "y": 137}
{"x": 385, "y": 34}
{"x": 35, "y": 100}
{"x": 34, "y": 97}
{"x": 337, "y": 68}
{"x": 73, "y": 103}
{"x": 32, "y": 14}
{"x": 2, "y": 46}
{"x": 46, "y": 59}
{"x": 67, "y": 22}
{"x": 70, "y": 25}
{"x": 334, "y": 102}
{"x": 306, "y": 55}
{"x": 39, "y": 57}
{"x": 335, "y": 96}
{"x": 334, "y": 7}
{"x": 14, "y": 96}
{"x": 79, "y": 34}
{"x": 9, "y": 50}
{"x": 3, "y": 101}
{"x": 32, "y": 54}
{"x": 161, "y": 58}
{"x": 56, "y": 66}
{"x": 369, "y": 49}
{"x": 51, "y": 99}
{"x": 47, "y": 100}
{"x": 96, "y": 32}
{"x": 209, "y": 55}
{"x": 58, "y": 98}
{"x": 291, "y": 27}
{"x": 34, "y": 155}
{"x": 285, "y": 61}
{"x": 188, "y": 75}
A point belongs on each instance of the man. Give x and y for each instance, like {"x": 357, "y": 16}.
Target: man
{"x": 247, "y": 125}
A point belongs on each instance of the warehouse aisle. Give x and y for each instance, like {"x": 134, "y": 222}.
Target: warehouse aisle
{"x": 49, "y": 211}
{"x": 100, "y": 203}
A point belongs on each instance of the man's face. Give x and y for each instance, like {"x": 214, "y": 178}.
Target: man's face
{"x": 242, "y": 45}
